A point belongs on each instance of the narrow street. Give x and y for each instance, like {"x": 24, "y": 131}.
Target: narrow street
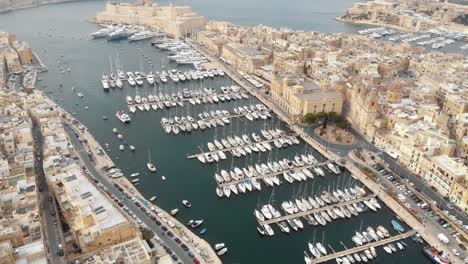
{"x": 51, "y": 223}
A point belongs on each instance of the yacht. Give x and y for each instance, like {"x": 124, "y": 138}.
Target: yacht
{"x": 150, "y": 165}
{"x": 141, "y": 36}
{"x": 123, "y": 117}
{"x": 186, "y": 203}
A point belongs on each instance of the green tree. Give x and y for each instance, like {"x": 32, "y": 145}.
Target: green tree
{"x": 343, "y": 124}
{"x": 321, "y": 115}
{"x": 146, "y": 233}
{"x": 340, "y": 118}
{"x": 310, "y": 118}
{"x": 332, "y": 115}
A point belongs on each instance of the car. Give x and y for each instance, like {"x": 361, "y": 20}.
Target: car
{"x": 174, "y": 257}
{"x": 60, "y": 252}
{"x": 184, "y": 247}
{"x": 407, "y": 205}
{"x": 190, "y": 254}
{"x": 138, "y": 204}
{"x": 455, "y": 252}
{"x": 164, "y": 228}
{"x": 49, "y": 198}
{"x": 52, "y": 212}
{"x": 177, "y": 240}
{"x": 157, "y": 222}
{"x": 169, "y": 233}
{"x": 196, "y": 261}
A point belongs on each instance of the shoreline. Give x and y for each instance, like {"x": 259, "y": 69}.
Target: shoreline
{"x": 12, "y": 9}
{"x": 369, "y": 23}
{"x": 346, "y": 162}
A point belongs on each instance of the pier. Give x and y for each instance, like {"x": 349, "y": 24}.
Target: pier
{"x": 317, "y": 210}
{"x": 266, "y": 175}
{"x": 364, "y": 247}
{"x": 204, "y": 99}
{"x": 254, "y": 143}
{"x": 218, "y": 120}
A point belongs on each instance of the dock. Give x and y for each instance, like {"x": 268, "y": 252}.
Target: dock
{"x": 235, "y": 147}
{"x": 219, "y": 120}
{"x": 207, "y": 97}
{"x": 317, "y": 210}
{"x": 271, "y": 174}
{"x": 364, "y": 247}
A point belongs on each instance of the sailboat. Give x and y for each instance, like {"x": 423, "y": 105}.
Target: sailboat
{"x": 150, "y": 165}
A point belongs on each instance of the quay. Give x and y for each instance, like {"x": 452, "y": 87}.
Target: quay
{"x": 192, "y": 156}
{"x": 101, "y": 162}
{"x": 317, "y": 210}
{"x": 220, "y": 119}
{"x": 43, "y": 67}
{"x": 349, "y": 163}
{"x": 364, "y": 247}
{"x": 271, "y": 174}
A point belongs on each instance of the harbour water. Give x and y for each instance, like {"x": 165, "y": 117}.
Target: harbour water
{"x": 59, "y": 33}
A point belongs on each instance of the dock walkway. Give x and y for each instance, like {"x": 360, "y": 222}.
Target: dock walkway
{"x": 307, "y": 166}
{"x": 235, "y": 147}
{"x": 364, "y": 247}
{"x": 317, "y": 210}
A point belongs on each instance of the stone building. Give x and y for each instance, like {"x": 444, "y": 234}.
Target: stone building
{"x": 299, "y": 96}
{"x": 177, "y": 21}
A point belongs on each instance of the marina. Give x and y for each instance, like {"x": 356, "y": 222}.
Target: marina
{"x": 339, "y": 256}
{"x": 238, "y": 146}
{"x": 179, "y": 99}
{"x": 212, "y": 119}
{"x": 182, "y": 181}
{"x": 317, "y": 212}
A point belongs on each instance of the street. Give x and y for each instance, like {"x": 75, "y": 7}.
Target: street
{"x": 51, "y": 224}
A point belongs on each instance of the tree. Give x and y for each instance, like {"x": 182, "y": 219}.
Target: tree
{"x": 339, "y": 119}
{"x": 332, "y": 115}
{"x": 321, "y": 115}
{"x": 310, "y": 118}
{"x": 343, "y": 124}
{"x": 146, "y": 233}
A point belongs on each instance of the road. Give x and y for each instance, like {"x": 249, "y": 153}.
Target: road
{"x": 109, "y": 186}
{"x": 430, "y": 224}
{"x": 423, "y": 187}
{"x": 53, "y": 232}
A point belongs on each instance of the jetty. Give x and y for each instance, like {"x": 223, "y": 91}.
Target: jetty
{"x": 357, "y": 249}
{"x": 272, "y": 174}
{"x": 317, "y": 210}
{"x": 254, "y": 143}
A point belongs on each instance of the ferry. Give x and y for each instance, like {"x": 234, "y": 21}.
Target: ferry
{"x": 434, "y": 256}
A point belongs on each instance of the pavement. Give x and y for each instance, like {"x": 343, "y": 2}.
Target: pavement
{"x": 109, "y": 186}
{"x": 429, "y": 223}
{"x": 51, "y": 224}
{"x": 428, "y": 230}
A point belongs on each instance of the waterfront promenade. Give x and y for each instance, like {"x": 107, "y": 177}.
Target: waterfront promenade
{"x": 427, "y": 233}
{"x": 98, "y": 164}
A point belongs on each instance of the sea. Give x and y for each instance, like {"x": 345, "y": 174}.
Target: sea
{"x": 59, "y": 34}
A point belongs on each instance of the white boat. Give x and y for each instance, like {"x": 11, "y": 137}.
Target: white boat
{"x": 174, "y": 211}
{"x": 186, "y": 203}
{"x": 222, "y": 251}
{"x": 152, "y": 198}
{"x": 219, "y": 246}
{"x": 150, "y": 165}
